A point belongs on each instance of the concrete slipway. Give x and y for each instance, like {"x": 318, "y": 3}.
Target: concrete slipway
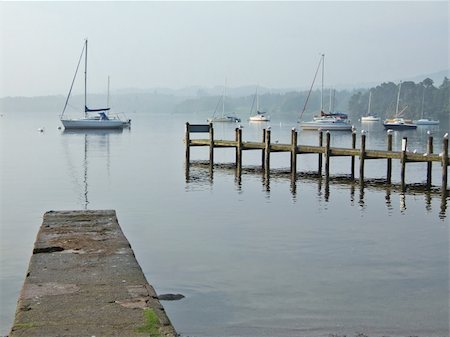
{"x": 84, "y": 280}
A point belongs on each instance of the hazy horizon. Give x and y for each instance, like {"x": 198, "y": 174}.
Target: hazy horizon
{"x": 187, "y": 44}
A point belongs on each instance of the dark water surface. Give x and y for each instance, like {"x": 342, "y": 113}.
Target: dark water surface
{"x": 284, "y": 258}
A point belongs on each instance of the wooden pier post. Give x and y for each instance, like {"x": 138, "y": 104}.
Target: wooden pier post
{"x": 320, "y": 154}
{"x": 389, "y": 160}
{"x": 267, "y": 152}
{"x": 444, "y": 165}
{"x": 187, "y": 142}
{"x": 327, "y": 155}
{"x": 362, "y": 155}
{"x": 239, "y": 147}
{"x": 403, "y": 163}
{"x": 263, "y": 158}
{"x": 294, "y": 137}
{"x": 352, "y": 173}
{"x": 429, "y": 164}
{"x": 211, "y": 144}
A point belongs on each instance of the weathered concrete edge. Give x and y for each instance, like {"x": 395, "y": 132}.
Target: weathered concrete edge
{"x": 165, "y": 326}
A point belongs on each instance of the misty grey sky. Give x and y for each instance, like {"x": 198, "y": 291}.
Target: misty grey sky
{"x": 177, "y": 44}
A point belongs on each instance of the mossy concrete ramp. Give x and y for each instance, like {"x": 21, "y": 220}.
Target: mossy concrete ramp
{"x": 84, "y": 280}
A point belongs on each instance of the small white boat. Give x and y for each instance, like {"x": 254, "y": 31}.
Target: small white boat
{"x": 327, "y": 124}
{"x": 369, "y": 117}
{"x": 260, "y": 115}
{"x": 426, "y": 121}
{"x": 423, "y": 120}
{"x": 223, "y": 118}
{"x": 99, "y": 121}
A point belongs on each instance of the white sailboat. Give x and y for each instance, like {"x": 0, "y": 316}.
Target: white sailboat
{"x": 102, "y": 119}
{"x": 223, "y": 118}
{"x": 260, "y": 115}
{"x": 425, "y": 121}
{"x": 326, "y": 121}
{"x": 369, "y": 117}
{"x": 398, "y": 122}
{"x": 327, "y": 124}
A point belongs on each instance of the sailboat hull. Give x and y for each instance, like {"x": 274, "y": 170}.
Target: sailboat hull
{"x": 327, "y": 124}
{"x": 370, "y": 119}
{"x": 425, "y": 121}
{"x": 399, "y": 124}
{"x": 259, "y": 118}
{"x": 225, "y": 119}
{"x": 93, "y": 124}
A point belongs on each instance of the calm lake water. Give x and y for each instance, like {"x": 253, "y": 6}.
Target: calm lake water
{"x": 282, "y": 259}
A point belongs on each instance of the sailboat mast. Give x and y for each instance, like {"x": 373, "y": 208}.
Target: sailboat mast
{"x": 257, "y": 100}
{"x": 107, "y": 97}
{"x": 423, "y": 100}
{"x": 331, "y": 107}
{"x": 370, "y": 100}
{"x": 321, "y": 91}
{"x": 334, "y": 99}
{"x": 398, "y": 98}
{"x": 223, "y": 98}
{"x": 85, "y": 79}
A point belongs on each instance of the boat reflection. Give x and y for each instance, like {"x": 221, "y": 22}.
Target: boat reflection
{"x": 200, "y": 172}
{"x": 89, "y": 144}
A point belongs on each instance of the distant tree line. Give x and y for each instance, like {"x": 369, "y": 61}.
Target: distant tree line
{"x": 415, "y": 98}
{"x": 434, "y": 101}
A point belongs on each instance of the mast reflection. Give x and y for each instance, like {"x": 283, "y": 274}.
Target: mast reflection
{"x": 93, "y": 141}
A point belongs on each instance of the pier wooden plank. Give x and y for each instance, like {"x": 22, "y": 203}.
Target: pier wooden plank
{"x": 334, "y": 151}
{"x": 83, "y": 280}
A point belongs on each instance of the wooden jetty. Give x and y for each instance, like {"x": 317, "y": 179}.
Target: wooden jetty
{"x": 83, "y": 280}
{"x": 325, "y": 152}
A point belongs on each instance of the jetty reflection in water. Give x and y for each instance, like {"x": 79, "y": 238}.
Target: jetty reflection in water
{"x": 200, "y": 174}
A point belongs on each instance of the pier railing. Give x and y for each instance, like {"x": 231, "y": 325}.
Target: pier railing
{"x": 325, "y": 152}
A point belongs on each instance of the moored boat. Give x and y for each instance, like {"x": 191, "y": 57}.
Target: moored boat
{"x": 369, "y": 117}
{"x": 260, "y": 115}
{"x": 426, "y": 121}
{"x": 399, "y": 124}
{"x": 99, "y": 121}
{"x": 423, "y": 120}
{"x": 331, "y": 121}
{"x": 223, "y": 118}
{"x": 327, "y": 124}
